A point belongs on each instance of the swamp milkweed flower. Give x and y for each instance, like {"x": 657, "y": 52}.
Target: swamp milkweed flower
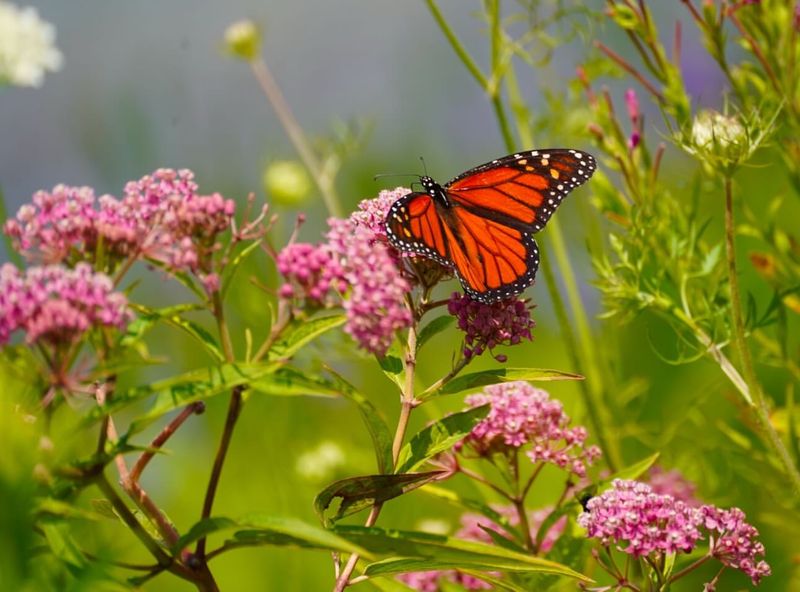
{"x": 56, "y": 304}
{"x": 521, "y": 415}
{"x": 485, "y": 326}
{"x": 161, "y": 217}
{"x": 358, "y": 265}
{"x": 643, "y": 523}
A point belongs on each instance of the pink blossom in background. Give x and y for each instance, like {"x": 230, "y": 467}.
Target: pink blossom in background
{"x": 522, "y": 415}
{"x": 424, "y": 581}
{"x": 54, "y": 223}
{"x": 57, "y": 304}
{"x": 635, "y": 115}
{"x": 161, "y": 216}
{"x": 630, "y": 514}
{"x": 673, "y": 483}
{"x": 640, "y": 522}
{"x": 735, "y": 542}
{"x": 485, "y": 326}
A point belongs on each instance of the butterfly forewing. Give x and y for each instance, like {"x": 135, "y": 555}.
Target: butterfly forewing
{"x": 522, "y": 189}
{"x": 414, "y": 226}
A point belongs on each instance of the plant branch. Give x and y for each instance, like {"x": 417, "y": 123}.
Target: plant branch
{"x": 234, "y": 408}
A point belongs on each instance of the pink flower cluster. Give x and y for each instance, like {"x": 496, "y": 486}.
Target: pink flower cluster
{"x": 646, "y": 521}
{"x": 57, "y": 304}
{"x": 375, "y": 306}
{"x": 358, "y": 264}
{"x": 523, "y": 415}
{"x": 734, "y": 541}
{"x": 673, "y": 483}
{"x": 631, "y": 513}
{"x": 506, "y": 322}
{"x": 473, "y": 529}
{"x": 312, "y": 273}
{"x": 161, "y": 216}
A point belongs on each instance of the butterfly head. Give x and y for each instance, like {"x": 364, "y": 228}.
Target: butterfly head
{"x": 435, "y": 190}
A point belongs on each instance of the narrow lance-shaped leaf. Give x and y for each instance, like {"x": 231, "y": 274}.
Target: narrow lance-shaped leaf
{"x": 147, "y": 318}
{"x": 433, "y": 328}
{"x": 232, "y": 267}
{"x": 475, "y": 380}
{"x": 442, "y": 552}
{"x": 357, "y": 493}
{"x": 438, "y": 437}
{"x": 268, "y": 530}
{"x": 376, "y": 426}
{"x": 300, "y": 333}
{"x": 182, "y": 389}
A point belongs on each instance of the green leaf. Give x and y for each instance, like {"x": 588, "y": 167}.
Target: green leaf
{"x": 635, "y": 470}
{"x": 232, "y": 267}
{"x": 147, "y": 318}
{"x": 201, "y": 335}
{"x": 185, "y": 388}
{"x": 300, "y": 333}
{"x": 433, "y": 328}
{"x": 438, "y": 437}
{"x": 476, "y": 380}
{"x": 376, "y": 425}
{"x": 391, "y": 364}
{"x": 62, "y": 544}
{"x": 291, "y": 382}
{"x": 415, "y": 551}
{"x": 357, "y": 493}
{"x": 56, "y": 508}
{"x": 259, "y": 530}
{"x": 568, "y": 550}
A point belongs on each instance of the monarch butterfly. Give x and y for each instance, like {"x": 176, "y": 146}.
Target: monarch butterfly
{"x": 482, "y": 222}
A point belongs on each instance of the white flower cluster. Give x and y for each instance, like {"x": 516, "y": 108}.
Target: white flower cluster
{"x": 27, "y": 48}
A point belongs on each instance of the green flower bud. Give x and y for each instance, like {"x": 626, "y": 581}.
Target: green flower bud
{"x": 287, "y": 183}
{"x": 243, "y": 40}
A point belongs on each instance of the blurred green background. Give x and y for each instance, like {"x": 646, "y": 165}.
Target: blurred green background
{"x": 147, "y": 85}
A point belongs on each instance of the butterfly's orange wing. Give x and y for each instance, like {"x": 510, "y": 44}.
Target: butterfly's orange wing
{"x": 522, "y": 189}
{"x": 485, "y": 231}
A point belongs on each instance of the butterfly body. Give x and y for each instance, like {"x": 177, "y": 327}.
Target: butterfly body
{"x": 482, "y": 223}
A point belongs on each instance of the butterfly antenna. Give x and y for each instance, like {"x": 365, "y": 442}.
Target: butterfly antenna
{"x": 424, "y": 168}
{"x": 382, "y": 175}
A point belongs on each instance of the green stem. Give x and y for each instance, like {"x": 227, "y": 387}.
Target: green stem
{"x": 761, "y": 406}
{"x": 296, "y": 135}
{"x": 130, "y": 520}
{"x": 408, "y": 403}
{"x": 466, "y": 59}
